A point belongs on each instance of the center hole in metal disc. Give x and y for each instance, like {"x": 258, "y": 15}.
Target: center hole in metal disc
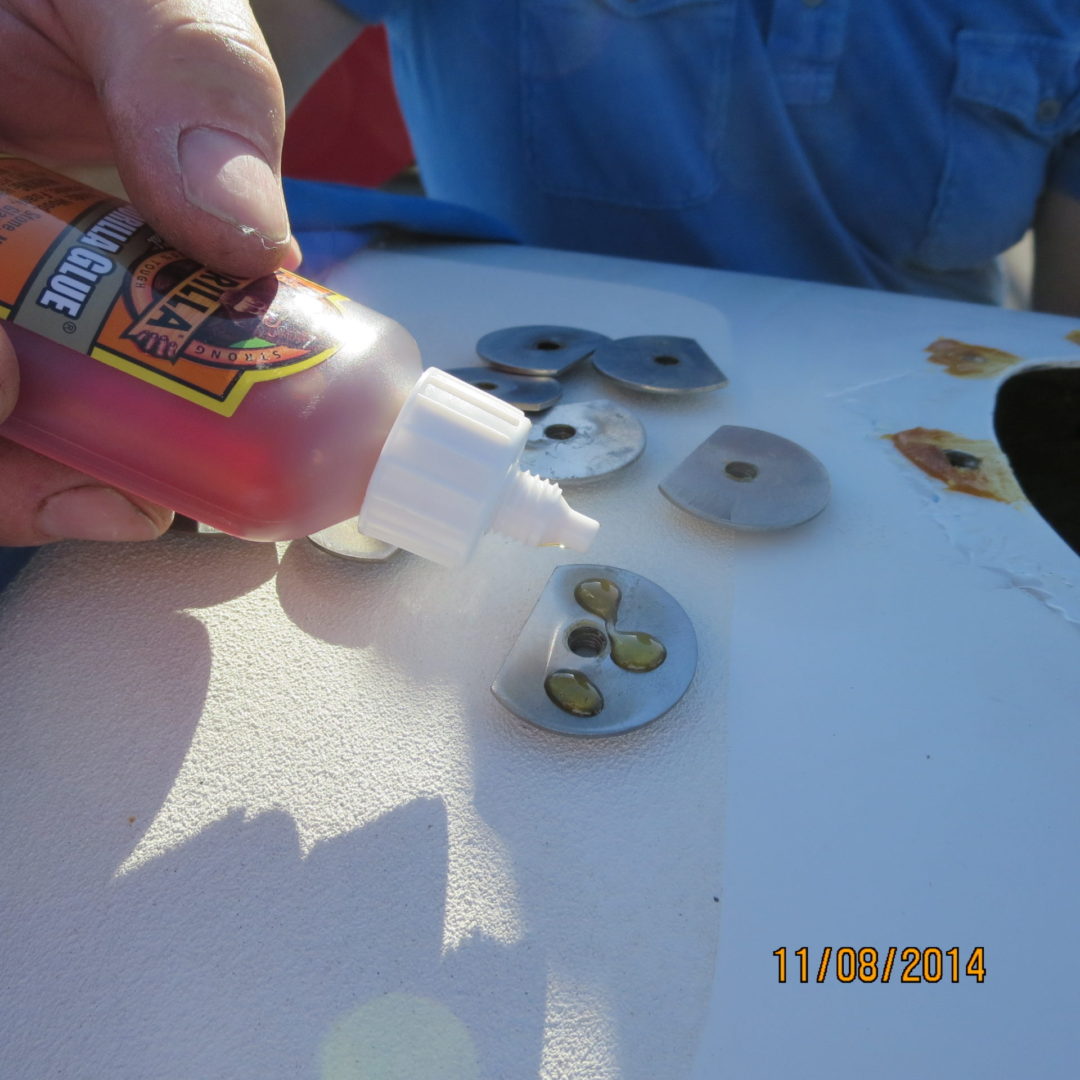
{"x": 959, "y": 459}
{"x": 484, "y": 385}
{"x": 741, "y": 470}
{"x": 665, "y": 360}
{"x": 560, "y": 431}
{"x": 548, "y": 345}
{"x": 586, "y": 640}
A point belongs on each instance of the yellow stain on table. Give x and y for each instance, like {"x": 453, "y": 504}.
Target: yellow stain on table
{"x": 973, "y": 466}
{"x": 969, "y": 361}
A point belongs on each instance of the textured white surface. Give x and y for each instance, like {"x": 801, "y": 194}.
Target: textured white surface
{"x": 263, "y": 818}
{"x": 252, "y": 791}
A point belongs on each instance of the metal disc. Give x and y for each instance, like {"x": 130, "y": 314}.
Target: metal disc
{"x": 659, "y": 365}
{"x": 582, "y": 441}
{"x": 527, "y": 393}
{"x": 603, "y": 652}
{"x": 749, "y": 479}
{"x": 537, "y": 350}
{"x": 347, "y": 541}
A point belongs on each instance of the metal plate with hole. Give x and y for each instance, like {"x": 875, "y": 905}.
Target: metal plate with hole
{"x": 659, "y": 365}
{"x": 538, "y": 350}
{"x": 749, "y": 479}
{"x": 348, "y": 542}
{"x": 583, "y": 441}
{"x": 604, "y": 651}
{"x": 527, "y": 393}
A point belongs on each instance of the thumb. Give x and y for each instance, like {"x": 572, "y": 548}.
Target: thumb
{"x": 194, "y": 107}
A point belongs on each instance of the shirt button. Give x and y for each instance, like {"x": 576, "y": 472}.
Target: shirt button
{"x": 1048, "y": 111}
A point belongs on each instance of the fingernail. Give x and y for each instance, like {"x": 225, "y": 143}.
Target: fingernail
{"x": 93, "y": 513}
{"x": 226, "y": 176}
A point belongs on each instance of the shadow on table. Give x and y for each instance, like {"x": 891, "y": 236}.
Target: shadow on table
{"x": 103, "y": 677}
{"x": 607, "y": 849}
{"x": 235, "y": 956}
{"x": 234, "y": 953}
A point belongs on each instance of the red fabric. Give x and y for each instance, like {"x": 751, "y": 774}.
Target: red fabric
{"x": 348, "y": 127}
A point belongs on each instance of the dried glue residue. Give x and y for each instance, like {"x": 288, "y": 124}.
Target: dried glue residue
{"x": 973, "y": 466}
{"x": 969, "y": 361}
{"x": 1011, "y": 541}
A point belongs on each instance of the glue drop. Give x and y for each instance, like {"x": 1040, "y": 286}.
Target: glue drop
{"x": 269, "y": 408}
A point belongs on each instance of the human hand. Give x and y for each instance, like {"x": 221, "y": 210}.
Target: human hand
{"x": 182, "y": 95}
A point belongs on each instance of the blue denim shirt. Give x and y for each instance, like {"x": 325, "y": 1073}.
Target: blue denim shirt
{"x": 898, "y": 144}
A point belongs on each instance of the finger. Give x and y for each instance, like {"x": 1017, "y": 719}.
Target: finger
{"x": 194, "y": 106}
{"x": 42, "y": 500}
{"x": 293, "y": 255}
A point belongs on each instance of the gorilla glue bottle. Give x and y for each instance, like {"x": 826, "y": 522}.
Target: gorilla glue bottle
{"x": 269, "y": 408}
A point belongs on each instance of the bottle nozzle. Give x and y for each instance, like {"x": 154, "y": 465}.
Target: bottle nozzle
{"x": 534, "y": 512}
{"x": 448, "y": 473}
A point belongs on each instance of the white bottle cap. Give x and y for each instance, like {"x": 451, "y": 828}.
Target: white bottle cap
{"x": 448, "y": 473}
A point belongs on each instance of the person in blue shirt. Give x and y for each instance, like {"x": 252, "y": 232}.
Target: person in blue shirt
{"x": 899, "y": 145}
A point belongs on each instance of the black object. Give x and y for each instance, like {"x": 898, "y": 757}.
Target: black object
{"x": 1037, "y": 423}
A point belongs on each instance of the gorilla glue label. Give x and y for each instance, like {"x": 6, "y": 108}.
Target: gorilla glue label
{"x": 84, "y": 270}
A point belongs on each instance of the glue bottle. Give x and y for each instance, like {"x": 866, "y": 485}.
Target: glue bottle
{"x": 269, "y": 408}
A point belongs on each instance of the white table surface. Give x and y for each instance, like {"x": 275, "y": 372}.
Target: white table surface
{"x": 263, "y": 817}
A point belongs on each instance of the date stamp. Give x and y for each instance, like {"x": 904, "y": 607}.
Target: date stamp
{"x": 911, "y": 964}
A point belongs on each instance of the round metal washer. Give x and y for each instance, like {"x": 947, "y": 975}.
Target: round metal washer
{"x": 527, "y": 393}
{"x": 582, "y": 441}
{"x": 348, "y": 542}
{"x": 749, "y": 479}
{"x": 538, "y": 350}
{"x": 659, "y": 365}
